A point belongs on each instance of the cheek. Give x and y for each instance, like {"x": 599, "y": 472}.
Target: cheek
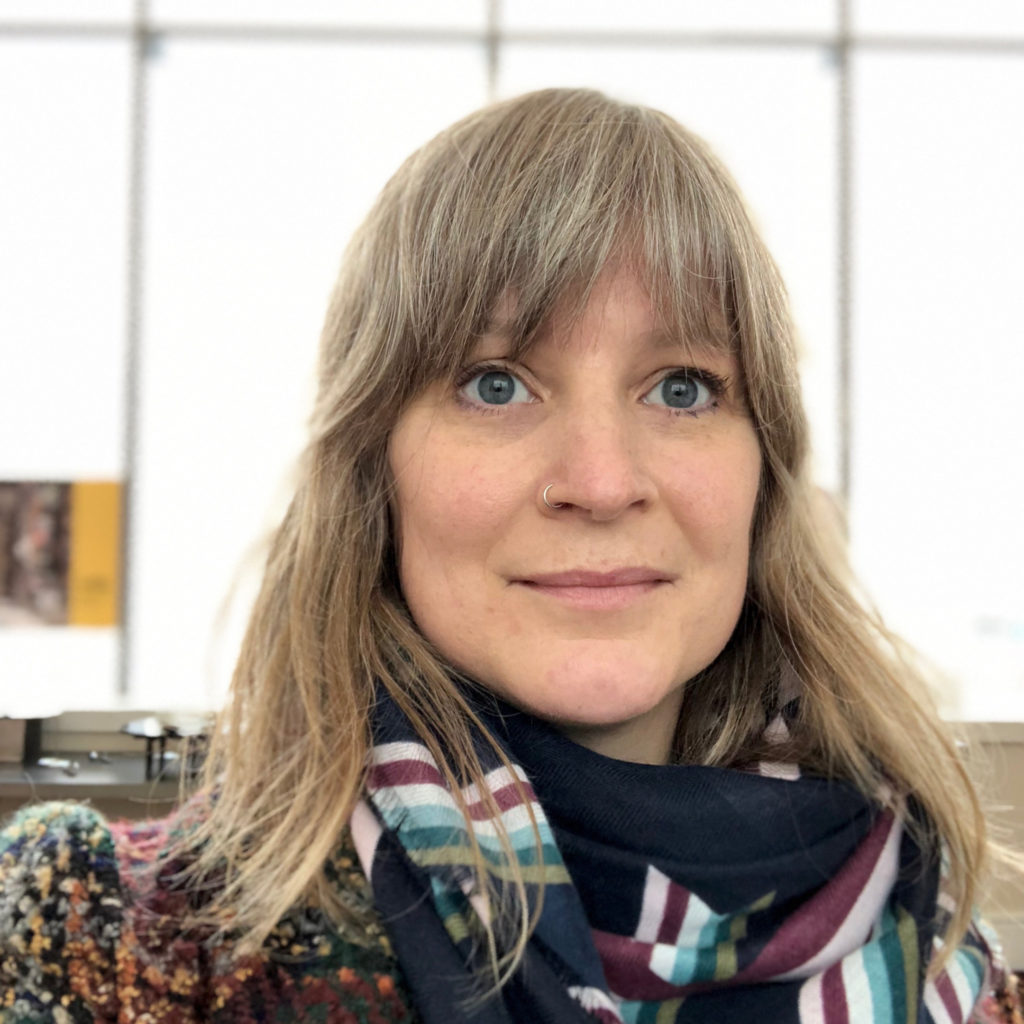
{"x": 452, "y": 502}
{"x": 715, "y": 500}
{"x": 449, "y": 511}
{"x": 451, "y": 519}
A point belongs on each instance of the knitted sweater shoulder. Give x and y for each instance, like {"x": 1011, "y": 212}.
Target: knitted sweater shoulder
{"x": 90, "y": 930}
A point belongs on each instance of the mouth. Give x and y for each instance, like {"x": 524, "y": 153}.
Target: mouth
{"x": 597, "y": 591}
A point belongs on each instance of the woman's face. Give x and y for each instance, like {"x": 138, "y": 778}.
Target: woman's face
{"x": 594, "y": 614}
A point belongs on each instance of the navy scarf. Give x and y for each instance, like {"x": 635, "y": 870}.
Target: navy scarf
{"x": 673, "y": 893}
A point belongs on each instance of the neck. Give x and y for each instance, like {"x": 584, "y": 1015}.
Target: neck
{"x": 646, "y": 739}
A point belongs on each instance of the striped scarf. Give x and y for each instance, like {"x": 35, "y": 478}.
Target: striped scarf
{"x": 672, "y": 893}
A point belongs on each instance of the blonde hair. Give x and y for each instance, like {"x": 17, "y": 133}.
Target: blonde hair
{"x": 534, "y": 197}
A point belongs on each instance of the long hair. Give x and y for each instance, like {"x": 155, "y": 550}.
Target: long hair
{"x": 534, "y": 197}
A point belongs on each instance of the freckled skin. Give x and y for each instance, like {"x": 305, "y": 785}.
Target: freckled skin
{"x": 643, "y": 485}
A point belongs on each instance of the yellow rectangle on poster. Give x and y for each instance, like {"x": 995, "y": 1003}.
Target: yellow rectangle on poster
{"x": 94, "y": 565}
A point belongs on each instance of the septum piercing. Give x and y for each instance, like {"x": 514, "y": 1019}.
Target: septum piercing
{"x": 544, "y": 497}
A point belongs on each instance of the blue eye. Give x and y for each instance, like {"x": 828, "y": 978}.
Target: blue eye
{"x": 495, "y": 387}
{"x": 684, "y": 391}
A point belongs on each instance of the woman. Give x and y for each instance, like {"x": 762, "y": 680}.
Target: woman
{"x": 555, "y": 704}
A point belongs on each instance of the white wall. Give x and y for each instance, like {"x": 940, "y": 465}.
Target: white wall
{"x": 268, "y": 128}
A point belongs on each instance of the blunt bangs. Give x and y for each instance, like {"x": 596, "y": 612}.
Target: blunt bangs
{"x": 520, "y": 208}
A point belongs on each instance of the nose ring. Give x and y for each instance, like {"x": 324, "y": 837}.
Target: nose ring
{"x": 544, "y": 497}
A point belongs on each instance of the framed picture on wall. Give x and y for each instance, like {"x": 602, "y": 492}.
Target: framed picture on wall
{"x": 59, "y": 553}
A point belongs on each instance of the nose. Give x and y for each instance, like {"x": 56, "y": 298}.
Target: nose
{"x": 599, "y": 465}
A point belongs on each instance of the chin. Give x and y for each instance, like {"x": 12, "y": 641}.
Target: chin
{"x": 595, "y": 699}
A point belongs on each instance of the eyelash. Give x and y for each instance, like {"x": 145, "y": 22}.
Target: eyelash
{"x": 476, "y": 370}
{"x": 716, "y": 384}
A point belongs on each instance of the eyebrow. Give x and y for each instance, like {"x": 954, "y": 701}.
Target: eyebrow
{"x": 664, "y": 340}
{"x": 659, "y": 338}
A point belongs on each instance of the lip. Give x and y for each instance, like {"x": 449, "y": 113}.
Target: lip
{"x": 625, "y": 577}
{"x": 587, "y": 590}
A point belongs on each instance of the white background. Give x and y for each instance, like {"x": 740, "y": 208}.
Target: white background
{"x": 269, "y": 128}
